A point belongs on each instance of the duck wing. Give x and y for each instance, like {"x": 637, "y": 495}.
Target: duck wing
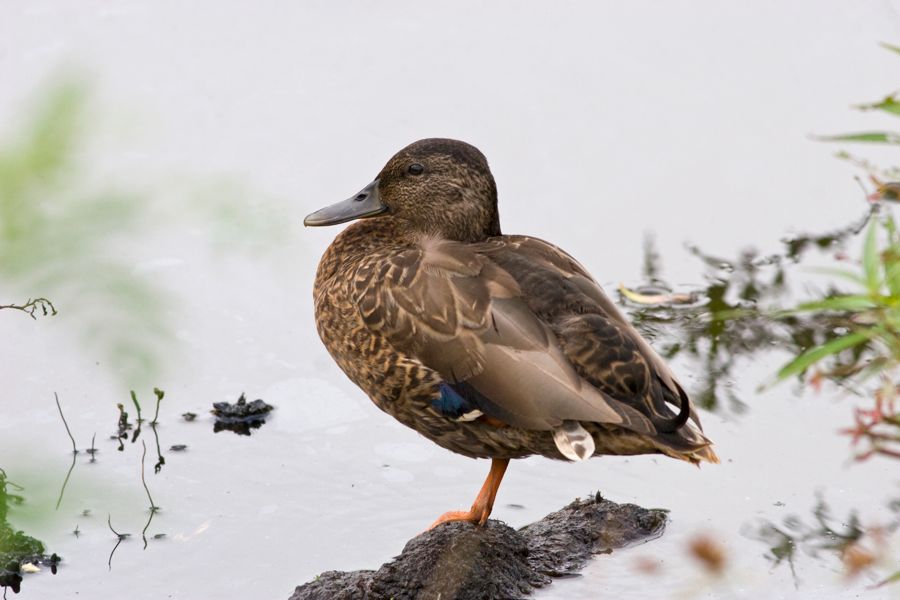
{"x": 467, "y": 311}
{"x": 596, "y": 337}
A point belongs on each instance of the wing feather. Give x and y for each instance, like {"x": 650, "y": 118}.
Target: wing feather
{"x": 487, "y": 314}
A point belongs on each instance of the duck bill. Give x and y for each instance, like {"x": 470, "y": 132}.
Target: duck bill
{"x": 366, "y": 203}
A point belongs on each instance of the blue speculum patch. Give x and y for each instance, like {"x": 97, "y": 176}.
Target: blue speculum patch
{"x": 452, "y": 403}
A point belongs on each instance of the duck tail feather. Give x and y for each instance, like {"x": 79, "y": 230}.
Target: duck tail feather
{"x": 573, "y": 441}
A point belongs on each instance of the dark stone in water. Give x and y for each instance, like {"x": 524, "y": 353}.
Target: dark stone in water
{"x": 459, "y": 561}
{"x": 240, "y": 417}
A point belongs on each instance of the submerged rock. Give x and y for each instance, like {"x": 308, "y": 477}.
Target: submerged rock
{"x": 240, "y": 417}
{"x": 459, "y": 561}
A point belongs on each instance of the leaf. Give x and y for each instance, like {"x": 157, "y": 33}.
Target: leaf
{"x": 891, "y": 259}
{"x": 817, "y": 353}
{"x": 890, "y": 47}
{"x": 870, "y": 260}
{"x": 889, "y": 105}
{"x": 878, "y": 137}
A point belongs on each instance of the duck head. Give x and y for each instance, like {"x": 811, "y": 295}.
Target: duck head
{"x": 435, "y": 186}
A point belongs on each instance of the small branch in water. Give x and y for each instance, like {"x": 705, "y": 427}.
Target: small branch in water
{"x": 121, "y": 537}
{"x": 32, "y": 306}
{"x": 159, "y": 396}
{"x": 139, "y": 419}
{"x": 93, "y": 449}
{"x": 136, "y": 405}
{"x": 74, "y": 449}
{"x": 161, "y": 460}
{"x": 123, "y": 426}
{"x": 62, "y": 490}
{"x": 153, "y": 507}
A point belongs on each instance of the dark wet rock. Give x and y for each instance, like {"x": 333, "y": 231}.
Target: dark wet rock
{"x": 459, "y": 561}
{"x": 240, "y": 417}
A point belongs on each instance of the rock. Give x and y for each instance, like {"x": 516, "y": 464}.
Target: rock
{"x": 459, "y": 561}
{"x": 241, "y": 417}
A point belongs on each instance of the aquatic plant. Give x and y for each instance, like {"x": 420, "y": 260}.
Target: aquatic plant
{"x": 16, "y": 547}
{"x": 729, "y": 319}
{"x": 869, "y": 344}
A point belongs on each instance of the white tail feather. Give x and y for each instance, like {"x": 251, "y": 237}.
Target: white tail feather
{"x": 573, "y": 441}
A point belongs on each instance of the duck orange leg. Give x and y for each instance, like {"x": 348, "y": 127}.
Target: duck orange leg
{"x": 484, "y": 503}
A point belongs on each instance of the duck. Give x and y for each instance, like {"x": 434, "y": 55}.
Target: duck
{"x": 490, "y": 345}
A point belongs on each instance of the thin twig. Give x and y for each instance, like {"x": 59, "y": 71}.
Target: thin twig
{"x": 121, "y": 537}
{"x": 93, "y": 450}
{"x": 136, "y": 405}
{"x": 153, "y": 506}
{"x": 74, "y": 449}
{"x": 147, "y": 526}
{"x": 161, "y": 460}
{"x": 32, "y": 306}
{"x": 62, "y": 490}
{"x": 159, "y": 396}
{"x": 109, "y": 522}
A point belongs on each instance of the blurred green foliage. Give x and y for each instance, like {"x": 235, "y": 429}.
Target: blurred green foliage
{"x": 59, "y": 240}
{"x": 68, "y": 237}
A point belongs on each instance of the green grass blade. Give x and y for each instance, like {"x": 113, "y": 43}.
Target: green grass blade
{"x": 871, "y": 262}
{"x": 892, "y": 274}
{"x": 890, "y": 47}
{"x": 875, "y": 137}
{"x": 817, "y": 353}
{"x": 856, "y": 303}
{"x": 891, "y": 578}
{"x": 889, "y": 105}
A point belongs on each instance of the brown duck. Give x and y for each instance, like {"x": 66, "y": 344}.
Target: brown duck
{"x": 490, "y": 345}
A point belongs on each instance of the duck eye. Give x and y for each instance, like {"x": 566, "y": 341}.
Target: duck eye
{"x": 415, "y": 169}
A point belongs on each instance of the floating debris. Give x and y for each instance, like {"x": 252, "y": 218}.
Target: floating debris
{"x": 646, "y": 295}
{"x": 188, "y": 416}
{"x": 240, "y": 417}
{"x": 178, "y": 447}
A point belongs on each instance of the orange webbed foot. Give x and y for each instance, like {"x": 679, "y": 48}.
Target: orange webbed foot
{"x": 484, "y": 503}
{"x": 476, "y": 515}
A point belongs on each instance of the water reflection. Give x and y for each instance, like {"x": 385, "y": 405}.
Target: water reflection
{"x": 858, "y": 548}
{"x": 730, "y": 318}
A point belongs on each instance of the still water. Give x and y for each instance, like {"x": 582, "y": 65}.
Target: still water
{"x": 602, "y": 122}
